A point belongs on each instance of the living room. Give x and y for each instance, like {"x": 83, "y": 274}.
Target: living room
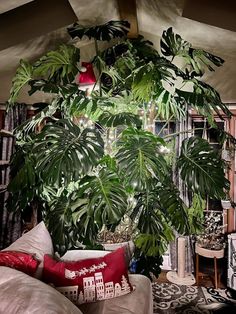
{"x": 117, "y": 124}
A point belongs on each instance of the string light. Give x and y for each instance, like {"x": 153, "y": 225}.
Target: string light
{"x": 163, "y": 150}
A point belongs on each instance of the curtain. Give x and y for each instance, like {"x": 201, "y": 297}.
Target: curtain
{"x": 10, "y": 223}
{"x": 183, "y": 127}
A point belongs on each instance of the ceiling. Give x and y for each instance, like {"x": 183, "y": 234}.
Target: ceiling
{"x": 6, "y": 5}
{"x": 154, "y": 16}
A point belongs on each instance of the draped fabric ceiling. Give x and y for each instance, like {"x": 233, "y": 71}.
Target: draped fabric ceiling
{"x": 154, "y": 16}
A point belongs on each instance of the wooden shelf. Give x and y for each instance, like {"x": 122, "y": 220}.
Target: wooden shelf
{"x": 4, "y": 162}
{"x": 6, "y": 133}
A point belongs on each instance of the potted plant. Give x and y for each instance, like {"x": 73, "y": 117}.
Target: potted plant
{"x": 213, "y": 237}
{"x": 226, "y": 203}
{"x": 84, "y": 176}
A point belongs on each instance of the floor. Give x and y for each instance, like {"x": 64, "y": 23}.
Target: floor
{"x": 206, "y": 267}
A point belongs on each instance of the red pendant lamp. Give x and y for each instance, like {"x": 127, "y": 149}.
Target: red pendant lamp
{"x": 86, "y": 77}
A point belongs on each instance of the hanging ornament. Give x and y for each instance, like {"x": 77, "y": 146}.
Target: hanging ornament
{"x": 86, "y": 77}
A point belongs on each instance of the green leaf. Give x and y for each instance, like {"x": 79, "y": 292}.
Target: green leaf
{"x": 197, "y": 59}
{"x": 113, "y": 120}
{"x": 104, "y": 32}
{"x": 170, "y": 106}
{"x": 143, "y": 49}
{"x": 196, "y": 214}
{"x": 173, "y": 44}
{"x": 138, "y": 158}
{"x": 201, "y": 59}
{"x": 64, "y": 152}
{"x": 173, "y": 207}
{"x": 24, "y": 181}
{"x": 29, "y": 125}
{"x": 24, "y": 74}
{"x": 42, "y": 85}
{"x": 109, "y": 162}
{"x": 204, "y": 98}
{"x": 107, "y": 197}
{"x": 61, "y": 63}
{"x": 148, "y": 79}
{"x": 202, "y": 169}
{"x": 152, "y": 244}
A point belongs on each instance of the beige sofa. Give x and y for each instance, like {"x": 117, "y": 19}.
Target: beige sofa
{"x": 21, "y": 294}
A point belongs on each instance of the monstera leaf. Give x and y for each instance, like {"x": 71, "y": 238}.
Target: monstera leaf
{"x": 170, "y": 106}
{"x": 204, "y": 98}
{"x": 173, "y": 207}
{"x": 60, "y": 63}
{"x": 160, "y": 209}
{"x": 59, "y": 218}
{"x": 173, "y": 44}
{"x": 23, "y": 75}
{"x": 64, "y": 152}
{"x": 23, "y": 186}
{"x": 155, "y": 229}
{"x": 148, "y": 79}
{"x": 143, "y": 49}
{"x": 139, "y": 159}
{"x": 106, "y": 32}
{"x": 29, "y": 125}
{"x": 201, "y": 59}
{"x": 125, "y": 118}
{"x": 43, "y": 85}
{"x": 107, "y": 197}
{"x": 202, "y": 169}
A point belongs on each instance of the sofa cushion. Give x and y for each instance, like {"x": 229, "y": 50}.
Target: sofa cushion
{"x": 94, "y": 279}
{"x": 20, "y": 261}
{"x": 22, "y": 294}
{"x": 84, "y": 254}
{"x": 79, "y": 255}
{"x": 36, "y": 241}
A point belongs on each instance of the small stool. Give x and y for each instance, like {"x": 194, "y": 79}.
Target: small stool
{"x": 216, "y": 254}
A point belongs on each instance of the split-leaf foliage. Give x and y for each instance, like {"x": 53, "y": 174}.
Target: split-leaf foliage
{"x": 81, "y": 180}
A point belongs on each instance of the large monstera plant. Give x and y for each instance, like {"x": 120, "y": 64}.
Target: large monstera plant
{"x": 95, "y": 160}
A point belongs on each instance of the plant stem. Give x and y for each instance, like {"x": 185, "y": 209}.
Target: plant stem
{"x": 99, "y": 68}
{"x": 185, "y": 131}
{"x": 165, "y": 124}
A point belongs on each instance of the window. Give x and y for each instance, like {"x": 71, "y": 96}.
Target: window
{"x": 211, "y": 135}
{"x": 164, "y": 128}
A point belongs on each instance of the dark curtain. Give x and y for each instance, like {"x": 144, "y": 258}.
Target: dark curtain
{"x": 10, "y": 226}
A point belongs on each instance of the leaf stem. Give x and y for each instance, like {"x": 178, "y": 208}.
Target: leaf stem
{"x": 185, "y": 131}
{"x": 171, "y": 117}
{"x": 99, "y": 68}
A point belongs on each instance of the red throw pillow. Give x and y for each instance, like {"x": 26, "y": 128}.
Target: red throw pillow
{"x": 20, "y": 261}
{"x": 89, "y": 280}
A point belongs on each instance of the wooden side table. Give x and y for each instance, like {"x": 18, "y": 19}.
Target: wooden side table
{"x": 215, "y": 254}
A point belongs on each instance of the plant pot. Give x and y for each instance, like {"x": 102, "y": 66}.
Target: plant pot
{"x": 225, "y": 204}
{"x": 115, "y": 246}
{"x": 128, "y": 245}
{"x": 226, "y": 155}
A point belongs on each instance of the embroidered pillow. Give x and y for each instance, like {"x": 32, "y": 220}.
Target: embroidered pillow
{"x": 20, "y": 261}
{"x": 89, "y": 280}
